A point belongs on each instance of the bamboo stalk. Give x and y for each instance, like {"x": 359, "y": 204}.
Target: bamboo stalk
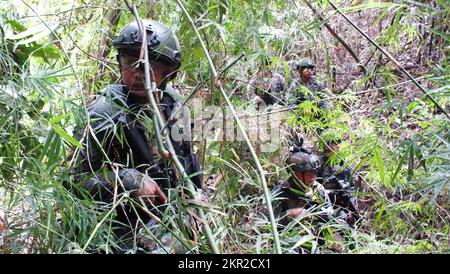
{"x": 150, "y": 87}
{"x": 390, "y": 57}
{"x": 262, "y": 178}
{"x": 99, "y": 224}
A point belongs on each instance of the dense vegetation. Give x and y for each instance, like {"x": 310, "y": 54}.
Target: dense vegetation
{"x": 54, "y": 54}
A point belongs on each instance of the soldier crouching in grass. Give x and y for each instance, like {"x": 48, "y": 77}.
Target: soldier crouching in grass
{"x": 304, "y": 198}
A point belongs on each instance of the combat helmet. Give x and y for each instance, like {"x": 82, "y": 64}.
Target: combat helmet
{"x": 161, "y": 41}
{"x": 305, "y": 62}
{"x": 303, "y": 161}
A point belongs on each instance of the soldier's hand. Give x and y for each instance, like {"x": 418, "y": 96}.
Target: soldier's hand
{"x": 258, "y": 101}
{"x": 150, "y": 190}
{"x": 292, "y": 213}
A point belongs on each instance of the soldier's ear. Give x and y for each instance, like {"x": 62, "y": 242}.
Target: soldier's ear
{"x": 118, "y": 59}
{"x": 172, "y": 72}
{"x": 301, "y": 141}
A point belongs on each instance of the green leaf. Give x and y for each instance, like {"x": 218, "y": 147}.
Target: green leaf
{"x": 303, "y": 239}
{"x": 410, "y": 163}
{"x": 63, "y": 134}
{"x": 419, "y": 155}
{"x": 380, "y": 213}
{"x": 412, "y": 106}
{"x": 379, "y": 163}
{"x": 16, "y": 25}
{"x": 402, "y": 160}
{"x": 198, "y": 52}
{"x": 59, "y": 118}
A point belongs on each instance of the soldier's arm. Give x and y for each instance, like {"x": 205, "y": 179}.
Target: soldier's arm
{"x": 294, "y": 212}
{"x": 279, "y": 83}
{"x": 93, "y": 175}
{"x": 255, "y": 93}
{"x": 94, "y": 171}
{"x": 103, "y": 185}
{"x": 251, "y": 89}
{"x": 291, "y": 94}
{"x": 102, "y": 180}
{"x": 346, "y": 187}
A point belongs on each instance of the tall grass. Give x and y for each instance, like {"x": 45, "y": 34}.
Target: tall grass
{"x": 398, "y": 143}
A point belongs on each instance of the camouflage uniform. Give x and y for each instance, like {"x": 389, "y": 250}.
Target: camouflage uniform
{"x": 300, "y": 91}
{"x": 323, "y": 193}
{"x": 295, "y": 95}
{"x": 295, "y": 194}
{"x": 119, "y": 147}
{"x": 118, "y": 124}
{"x": 340, "y": 185}
{"x": 269, "y": 89}
{"x": 317, "y": 198}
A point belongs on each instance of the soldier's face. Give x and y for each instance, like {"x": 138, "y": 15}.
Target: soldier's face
{"x": 133, "y": 75}
{"x": 132, "y": 72}
{"x": 307, "y": 72}
{"x": 307, "y": 177}
{"x": 335, "y": 147}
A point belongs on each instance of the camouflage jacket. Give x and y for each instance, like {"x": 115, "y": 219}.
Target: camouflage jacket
{"x": 329, "y": 197}
{"x": 120, "y": 146}
{"x": 270, "y": 89}
{"x": 294, "y": 194}
{"x": 339, "y": 184}
{"x": 315, "y": 90}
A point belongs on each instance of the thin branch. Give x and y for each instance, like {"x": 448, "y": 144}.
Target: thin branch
{"x": 261, "y": 177}
{"x": 390, "y": 57}
{"x": 331, "y": 30}
{"x": 150, "y": 87}
{"x": 197, "y": 87}
{"x": 414, "y": 3}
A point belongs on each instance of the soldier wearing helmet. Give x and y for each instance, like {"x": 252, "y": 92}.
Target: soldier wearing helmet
{"x": 301, "y": 190}
{"x": 164, "y": 54}
{"x": 306, "y": 87}
{"x": 304, "y": 166}
{"x": 120, "y": 152}
{"x": 305, "y": 193}
{"x": 307, "y": 187}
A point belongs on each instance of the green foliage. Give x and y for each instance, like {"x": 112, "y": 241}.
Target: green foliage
{"x": 395, "y": 141}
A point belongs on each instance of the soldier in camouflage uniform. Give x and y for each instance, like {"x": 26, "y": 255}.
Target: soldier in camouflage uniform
{"x": 120, "y": 153}
{"x": 304, "y": 192}
{"x": 268, "y": 87}
{"x": 306, "y": 189}
{"x": 301, "y": 191}
{"x": 306, "y": 88}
